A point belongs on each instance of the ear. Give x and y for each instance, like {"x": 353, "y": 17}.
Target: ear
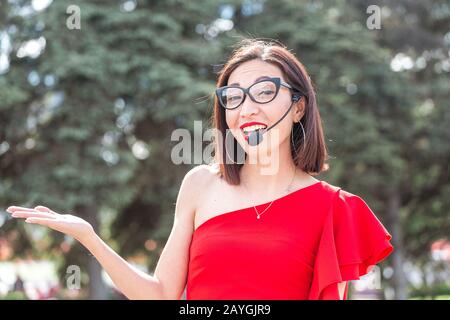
{"x": 299, "y": 109}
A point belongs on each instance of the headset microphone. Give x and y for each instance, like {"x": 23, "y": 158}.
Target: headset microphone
{"x": 256, "y": 137}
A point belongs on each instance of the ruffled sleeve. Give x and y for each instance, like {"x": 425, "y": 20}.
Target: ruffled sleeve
{"x": 353, "y": 240}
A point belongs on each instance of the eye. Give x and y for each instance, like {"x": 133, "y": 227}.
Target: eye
{"x": 234, "y": 98}
{"x": 267, "y": 92}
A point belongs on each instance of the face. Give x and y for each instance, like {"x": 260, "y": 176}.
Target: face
{"x": 266, "y": 114}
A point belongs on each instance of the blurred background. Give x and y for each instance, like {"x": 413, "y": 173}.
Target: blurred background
{"x": 90, "y": 92}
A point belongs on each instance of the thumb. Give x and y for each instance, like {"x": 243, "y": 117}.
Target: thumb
{"x": 43, "y": 209}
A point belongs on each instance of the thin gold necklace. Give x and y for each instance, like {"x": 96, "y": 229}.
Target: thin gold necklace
{"x": 258, "y": 215}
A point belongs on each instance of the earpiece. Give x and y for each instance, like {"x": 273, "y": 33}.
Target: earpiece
{"x": 296, "y": 97}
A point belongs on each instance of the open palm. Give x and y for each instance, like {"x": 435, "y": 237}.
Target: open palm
{"x": 65, "y": 223}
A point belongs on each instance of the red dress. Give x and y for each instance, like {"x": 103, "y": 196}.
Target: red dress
{"x": 301, "y": 248}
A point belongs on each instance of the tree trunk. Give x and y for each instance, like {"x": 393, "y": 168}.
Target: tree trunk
{"x": 400, "y": 282}
{"x": 97, "y": 287}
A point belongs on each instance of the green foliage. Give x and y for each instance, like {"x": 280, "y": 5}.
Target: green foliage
{"x": 134, "y": 77}
{"x": 16, "y": 295}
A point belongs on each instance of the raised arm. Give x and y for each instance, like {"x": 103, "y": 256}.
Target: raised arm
{"x": 170, "y": 275}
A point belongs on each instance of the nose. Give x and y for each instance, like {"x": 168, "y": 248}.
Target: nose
{"x": 248, "y": 108}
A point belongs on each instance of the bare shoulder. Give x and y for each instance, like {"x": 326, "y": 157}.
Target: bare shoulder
{"x": 202, "y": 172}
{"x": 195, "y": 184}
{"x": 200, "y": 176}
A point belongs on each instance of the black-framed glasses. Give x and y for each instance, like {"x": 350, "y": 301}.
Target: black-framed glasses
{"x": 263, "y": 91}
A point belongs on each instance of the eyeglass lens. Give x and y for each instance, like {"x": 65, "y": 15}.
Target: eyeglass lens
{"x": 261, "y": 92}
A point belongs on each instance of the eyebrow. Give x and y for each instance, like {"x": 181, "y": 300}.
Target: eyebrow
{"x": 259, "y": 78}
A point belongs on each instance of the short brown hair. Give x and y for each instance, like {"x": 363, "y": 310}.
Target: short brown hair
{"x": 313, "y": 159}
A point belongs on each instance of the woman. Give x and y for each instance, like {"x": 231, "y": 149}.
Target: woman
{"x": 256, "y": 224}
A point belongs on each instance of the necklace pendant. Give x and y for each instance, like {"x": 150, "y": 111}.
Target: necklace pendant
{"x": 257, "y": 217}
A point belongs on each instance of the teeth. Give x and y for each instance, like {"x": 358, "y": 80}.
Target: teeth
{"x": 253, "y": 128}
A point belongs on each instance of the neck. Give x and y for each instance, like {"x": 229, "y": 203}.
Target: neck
{"x": 273, "y": 177}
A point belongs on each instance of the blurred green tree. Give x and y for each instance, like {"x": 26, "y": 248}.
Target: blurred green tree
{"x": 86, "y": 115}
{"x": 417, "y": 35}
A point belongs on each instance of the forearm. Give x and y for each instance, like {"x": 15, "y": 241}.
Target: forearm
{"x": 133, "y": 283}
{"x": 341, "y": 289}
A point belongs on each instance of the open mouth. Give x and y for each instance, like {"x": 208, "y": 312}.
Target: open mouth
{"x": 253, "y": 128}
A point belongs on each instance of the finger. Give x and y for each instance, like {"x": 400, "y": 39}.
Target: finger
{"x": 51, "y": 223}
{"x": 11, "y": 209}
{"x": 34, "y": 214}
{"x": 44, "y": 209}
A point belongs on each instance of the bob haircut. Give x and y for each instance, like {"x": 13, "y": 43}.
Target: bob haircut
{"x": 312, "y": 159}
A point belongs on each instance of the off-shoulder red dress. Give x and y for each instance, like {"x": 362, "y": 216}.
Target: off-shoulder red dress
{"x": 304, "y": 245}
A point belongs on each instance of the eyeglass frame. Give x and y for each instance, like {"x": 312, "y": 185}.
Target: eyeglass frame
{"x": 276, "y": 80}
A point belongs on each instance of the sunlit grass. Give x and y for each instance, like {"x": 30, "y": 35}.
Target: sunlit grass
{"x": 443, "y": 297}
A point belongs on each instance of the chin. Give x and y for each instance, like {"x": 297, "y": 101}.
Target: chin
{"x": 262, "y": 150}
